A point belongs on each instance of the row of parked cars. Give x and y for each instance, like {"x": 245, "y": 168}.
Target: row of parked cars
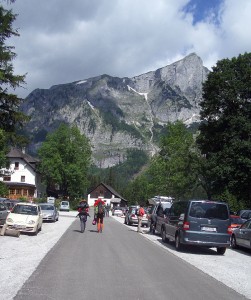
{"x": 27, "y": 217}
{"x": 196, "y": 222}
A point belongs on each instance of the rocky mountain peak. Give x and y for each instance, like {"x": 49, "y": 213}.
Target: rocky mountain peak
{"x": 118, "y": 114}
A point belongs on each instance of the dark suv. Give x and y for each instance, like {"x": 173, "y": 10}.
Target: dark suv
{"x": 196, "y": 222}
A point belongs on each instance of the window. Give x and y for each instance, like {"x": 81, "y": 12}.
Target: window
{"x": 22, "y": 178}
{"x": 16, "y": 165}
{"x": 208, "y": 210}
{"x": 18, "y": 191}
{"x": 6, "y": 178}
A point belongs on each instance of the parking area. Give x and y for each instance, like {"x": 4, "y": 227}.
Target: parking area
{"x": 232, "y": 269}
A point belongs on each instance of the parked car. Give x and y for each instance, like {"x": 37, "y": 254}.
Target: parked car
{"x": 131, "y": 217}
{"x": 10, "y": 203}
{"x": 160, "y": 209}
{"x": 196, "y": 222}
{"x": 236, "y": 222}
{"x": 242, "y": 236}
{"x": 245, "y": 215}
{"x": 241, "y": 211}
{"x": 49, "y": 212}
{"x": 3, "y": 213}
{"x": 25, "y": 217}
{"x": 117, "y": 211}
{"x": 64, "y": 206}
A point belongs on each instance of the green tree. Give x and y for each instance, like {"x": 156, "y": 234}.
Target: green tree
{"x": 3, "y": 149}
{"x": 3, "y": 161}
{"x": 137, "y": 191}
{"x": 65, "y": 159}
{"x": 10, "y": 116}
{"x": 225, "y": 139}
{"x": 173, "y": 172}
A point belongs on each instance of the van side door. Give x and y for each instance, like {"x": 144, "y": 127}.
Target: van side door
{"x": 174, "y": 218}
{"x": 160, "y": 218}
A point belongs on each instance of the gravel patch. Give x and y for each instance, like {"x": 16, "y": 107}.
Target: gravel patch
{"x": 19, "y": 257}
{"x": 233, "y": 269}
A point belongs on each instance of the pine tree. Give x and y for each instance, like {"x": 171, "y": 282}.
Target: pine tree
{"x": 10, "y": 117}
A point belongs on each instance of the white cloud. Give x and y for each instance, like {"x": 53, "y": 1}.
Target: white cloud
{"x": 63, "y": 41}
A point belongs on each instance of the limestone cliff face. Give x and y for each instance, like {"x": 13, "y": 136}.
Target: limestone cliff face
{"x": 118, "y": 114}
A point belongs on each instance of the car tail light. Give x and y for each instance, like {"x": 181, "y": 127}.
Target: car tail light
{"x": 186, "y": 225}
{"x": 229, "y": 230}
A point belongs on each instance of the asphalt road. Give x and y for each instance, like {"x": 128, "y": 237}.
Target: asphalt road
{"x": 117, "y": 264}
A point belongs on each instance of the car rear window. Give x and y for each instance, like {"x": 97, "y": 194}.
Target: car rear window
{"x": 64, "y": 203}
{"x": 47, "y": 207}
{"x": 235, "y": 220}
{"x": 209, "y": 210}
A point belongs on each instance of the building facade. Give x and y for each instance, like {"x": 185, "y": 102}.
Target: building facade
{"x": 108, "y": 194}
{"x": 22, "y": 178}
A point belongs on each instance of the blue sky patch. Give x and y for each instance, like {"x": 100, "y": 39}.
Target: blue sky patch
{"x": 202, "y": 9}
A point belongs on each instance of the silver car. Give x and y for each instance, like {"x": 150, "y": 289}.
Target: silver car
{"x": 131, "y": 217}
{"x": 49, "y": 212}
{"x": 242, "y": 236}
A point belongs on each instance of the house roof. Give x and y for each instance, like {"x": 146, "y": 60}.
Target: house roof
{"x": 20, "y": 184}
{"x": 17, "y": 153}
{"x": 109, "y": 188}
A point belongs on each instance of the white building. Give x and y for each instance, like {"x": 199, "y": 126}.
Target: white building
{"x": 22, "y": 178}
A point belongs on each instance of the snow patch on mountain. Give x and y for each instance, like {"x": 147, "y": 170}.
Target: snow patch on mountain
{"x": 132, "y": 89}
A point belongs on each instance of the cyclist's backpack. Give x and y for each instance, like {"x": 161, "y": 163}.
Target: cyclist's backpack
{"x": 100, "y": 208}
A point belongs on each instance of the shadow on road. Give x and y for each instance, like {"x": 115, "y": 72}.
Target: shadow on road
{"x": 190, "y": 249}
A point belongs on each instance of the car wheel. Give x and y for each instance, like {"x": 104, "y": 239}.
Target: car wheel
{"x": 178, "y": 245}
{"x": 163, "y": 235}
{"x": 40, "y": 229}
{"x": 233, "y": 242}
{"x": 221, "y": 250}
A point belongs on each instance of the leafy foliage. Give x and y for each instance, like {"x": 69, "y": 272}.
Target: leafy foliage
{"x": 173, "y": 171}
{"x": 3, "y": 189}
{"x": 65, "y": 159}
{"x": 3, "y": 149}
{"x": 224, "y": 138}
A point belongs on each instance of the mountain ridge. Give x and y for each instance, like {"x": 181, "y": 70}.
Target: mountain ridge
{"x": 119, "y": 114}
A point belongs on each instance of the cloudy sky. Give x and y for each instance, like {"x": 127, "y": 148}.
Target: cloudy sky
{"x": 62, "y": 41}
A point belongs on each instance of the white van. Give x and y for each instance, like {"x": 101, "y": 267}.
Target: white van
{"x": 64, "y": 206}
{"x": 51, "y": 200}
